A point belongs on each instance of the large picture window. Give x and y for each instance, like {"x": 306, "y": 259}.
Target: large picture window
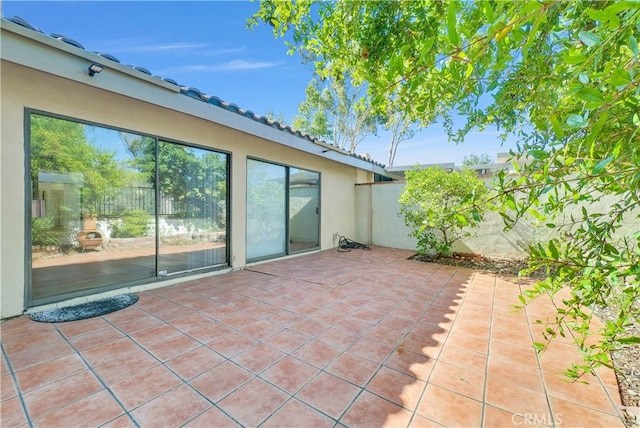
{"x": 112, "y": 208}
{"x": 283, "y": 210}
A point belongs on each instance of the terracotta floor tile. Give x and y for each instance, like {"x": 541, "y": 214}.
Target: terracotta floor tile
{"x": 33, "y": 343}
{"x": 290, "y": 374}
{"x": 472, "y": 343}
{"x": 513, "y": 398}
{"x": 264, "y": 399}
{"x": 338, "y": 338}
{"x": 354, "y": 368}
{"x": 4, "y": 368}
{"x": 499, "y": 418}
{"x": 328, "y": 394}
{"x": 124, "y": 367}
{"x": 50, "y": 371}
{"x": 104, "y": 353}
{"x": 410, "y": 363}
{"x": 317, "y": 353}
{"x": 144, "y": 322}
{"x": 231, "y": 344}
{"x": 145, "y": 386}
{"x": 464, "y": 381}
{"x": 592, "y": 394}
{"x": 39, "y": 354}
{"x": 568, "y": 414}
{"x": 471, "y": 328}
{"x": 209, "y": 332}
{"x": 525, "y": 376}
{"x": 59, "y": 394}
{"x": 172, "y": 347}
{"x": 132, "y": 313}
{"x": 123, "y": 421}
{"x": 287, "y": 340}
{"x": 419, "y": 421}
{"x": 385, "y": 334}
{"x": 285, "y": 318}
{"x": 190, "y": 322}
{"x": 523, "y": 354}
{"x": 7, "y": 388}
{"x": 372, "y": 350}
{"x": 261, "y": 329}
{"x": 213, "y": 417}
{"x": 258, "y": 358}
{"x": 515, "y": 333}
{"x": 397, "y": 387}
{"x": 195, "y": 362}
{"x": 295, "y": 414}
{"x": 155, "y": 334}
{"x": 171, "y": 409}
{"x": 354, "y": 325}
{"x": 94, "y": 410}
{"x": 12, "y": 413}
{"x": 172, "y": 312}
{"x": 308, "y": 327}
{"x": 448, "y": 408}
{"x": 372, "y": 411}
{"x": 220, "y": 380}
{"x": 366, "y": 319}
{"x": 96, "y": 338}
{"x": 77, "y": 328}
{"x": 464, "y": 358}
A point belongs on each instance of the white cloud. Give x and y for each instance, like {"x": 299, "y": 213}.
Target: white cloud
{"x": 235, "y": 65}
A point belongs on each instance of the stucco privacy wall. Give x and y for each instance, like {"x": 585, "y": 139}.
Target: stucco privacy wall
{"x": 382, "y": 224}
{"x": 379, "y": 223}
{"x": 53, "y": 79}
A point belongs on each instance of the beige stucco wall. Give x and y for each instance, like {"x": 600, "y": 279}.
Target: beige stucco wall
{"x": 102, "y": 100}
{"x": 379, "y": 223}
{"x": 385, "y": 227}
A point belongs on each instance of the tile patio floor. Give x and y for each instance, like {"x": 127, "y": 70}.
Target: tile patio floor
{"x": 360, "y": 339}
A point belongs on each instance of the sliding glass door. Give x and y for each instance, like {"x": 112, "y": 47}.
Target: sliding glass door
{"x": 192, "y": 208}
{"x": 283, "y": 210}
{"x": 266, "y": 210}
{"x": 304, "y": 210}
{"x": 112, "y": 208}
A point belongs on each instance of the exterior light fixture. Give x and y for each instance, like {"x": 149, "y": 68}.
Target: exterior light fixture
{"x": 95, "y": 68}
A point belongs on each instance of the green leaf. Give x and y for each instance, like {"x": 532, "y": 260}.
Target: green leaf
{"x": 576, "y": 121}
{"x": 589, "y": 38}
{"x": 597, "y": 15}
{"x": 461, "y": 219}
{"x": 557, "y": 126}
{"x": 592, "y": 96}
{"x": 600, "y": 167}
{"x": 636, "y": 119}
{"x": 553, "y": 250}
{"x": 584, "y": 78}
{"x": 633, "y": 45}
{"x": 629, "y": 340}
{"x": 574, "y": 59}
{"x": 452, "y": 23}
{"x": 620, "y": 78}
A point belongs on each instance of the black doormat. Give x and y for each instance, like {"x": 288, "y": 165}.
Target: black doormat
{"x": 86, "y": 310}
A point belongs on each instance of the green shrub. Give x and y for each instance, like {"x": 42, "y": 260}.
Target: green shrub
{"x": 42, "y": 232}
{"x": 134, "y": 224}
{"x": 441, "y": 207}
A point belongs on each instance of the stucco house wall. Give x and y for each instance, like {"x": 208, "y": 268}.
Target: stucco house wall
{"x": 47, "y": 75}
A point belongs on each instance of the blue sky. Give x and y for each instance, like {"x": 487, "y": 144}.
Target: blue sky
{"x": 204, "y": 44}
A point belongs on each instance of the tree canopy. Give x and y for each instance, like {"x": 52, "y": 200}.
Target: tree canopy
{"x": 561, "y": 76}
{"x": 337, "y": 110}
{"x": 474, "y": 159}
